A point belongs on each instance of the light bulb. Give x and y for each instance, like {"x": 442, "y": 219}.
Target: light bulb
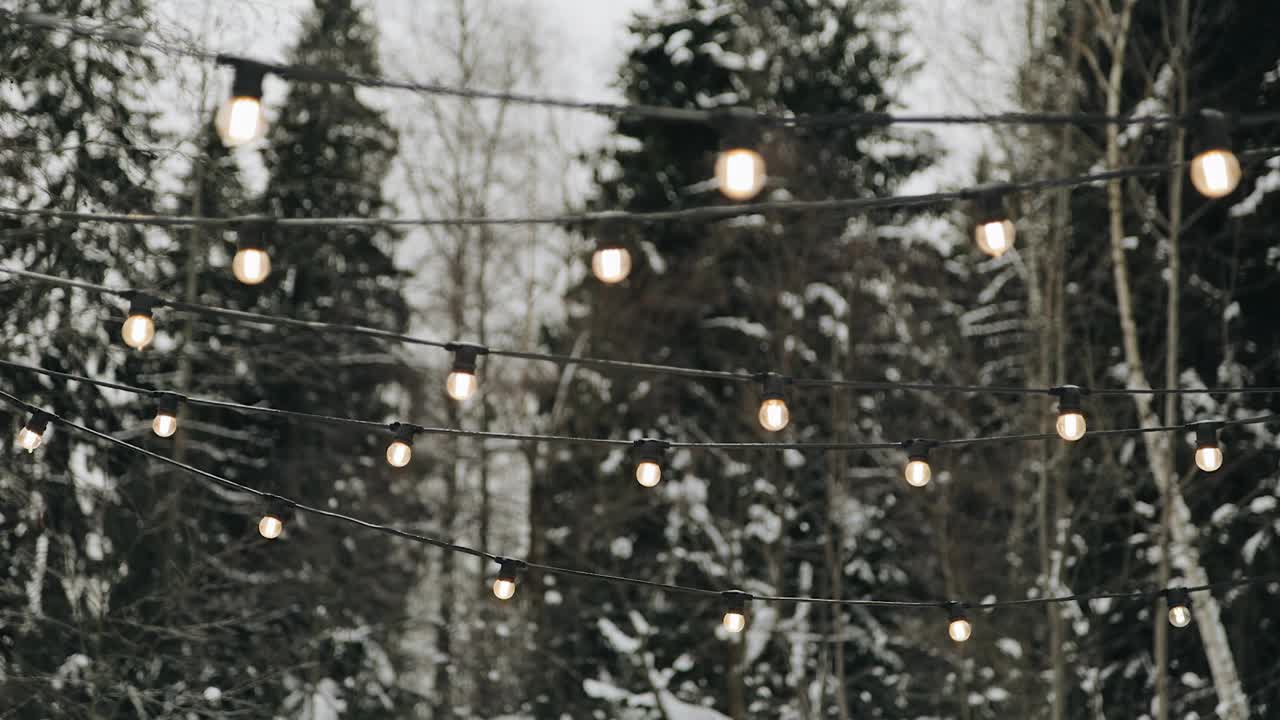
{"x": 611, "y": 264}
{"x": 918, "y": 473}
{"x": 735, "y": 621}
{"x": 740, "y": 173}
{"x": 460, "y": 385}
{"x": 960, "y": 630}
{"x": 1071, "y": 426}
{"x": 399, "y": 453}
{"x": 241, "y": 120}
{"x": 774, "y": 414}
{"x": 270, "y": 526}
{"x": 138, "y": 331}
{"x": 251, "y": 265}
{"x": 29, "y": 440}
{"x": 648, "y": 473}
{"x": 164, "y": 425}
{"x": 995, "y": 238}
{"x": 1179, "y": 616}
{"x": 1215, "y": 173}
{"x": 1209, "y": 459}
{"x": 504, "y": 589}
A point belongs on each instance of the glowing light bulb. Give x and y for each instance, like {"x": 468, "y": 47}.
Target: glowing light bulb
{"x": 995, "y": 238}
{"x": 1215, "y": 173}
{"x": 399, "y": 453}
{"x": 960, "y": 630}
{"x": 1071, "y": 426}
{"x": 460, "y": 385}
{"x": 138, "y": 330}
{"x": 740, "y": 173}
{"x": 734, "y": 621}
{"x": 164, "y": 425}
{"x": 611, "y": 264}
{"x": 1208, "y": 452}
{"x": 240, "y": 119}
{"x": 918, "y": 473}
{"x": 1179, "y": 607}
{"x": 270, "y": 526}
{"x": 504, "y": 589}
{"x": 774, "y": 414}
{"x": 251, "y": 265}
{"x": 32, "y": 434}
{"x": 1209, "y": 459}
{"x": 648, "y": 473}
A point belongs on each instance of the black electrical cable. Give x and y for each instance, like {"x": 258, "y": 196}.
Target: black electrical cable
{"x": 705, "y": 213}
{"x": 623, "y": 365}
{"x": 602, "y": 577}
{"x": 306, "y": 73}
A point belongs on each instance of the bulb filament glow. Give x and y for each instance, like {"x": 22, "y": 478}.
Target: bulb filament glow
{"x": 648, "y": 473}
{"x": 611, "y": 264}
{"x": 740, "y": 173}
{"x": 460, "y": 385}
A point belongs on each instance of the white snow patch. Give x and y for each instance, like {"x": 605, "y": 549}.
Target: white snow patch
{"x": 617, "y": 639}
{"x": 1252, "y": 545}
{"x": 1010, "y": 647}
{"x": 212, "y": 694}
{"x": 742, "y": 325}
{"x": 621, "y": 547}
{"x": 1262, "y": 504}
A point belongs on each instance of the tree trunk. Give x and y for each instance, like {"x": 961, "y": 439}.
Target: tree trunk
{"x": 1183, "y": 533}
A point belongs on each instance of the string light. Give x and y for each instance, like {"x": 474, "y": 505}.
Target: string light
{"x": 400, "y": 450}
{"x": 993, "y": 231}
{"x": 1071, "y": 424}
{"x": 1179, "y": 607}
{"x": 139, "y": 328}
{"x": 958, "y": 627}
{"x": 165, "y": 423}
{"x": 32, "y": 434}
{"x": 773, "y": 414}
{"x": 251, "y": 264}
{"x": 649, "y": 455}
{"x": 509, "y": 571}
{"x": 241, "y": 119}
{"x": 735, "y": 610}
{"x": 272, "y": 522}
{"x": 1208, "y": 452}
{"x": 1215, "y": 170}
{"x": 461, "y": 383}
{"x": 611, "y": 264}
{"x": 917, "y": 471}
{"x": 740, "y": 172}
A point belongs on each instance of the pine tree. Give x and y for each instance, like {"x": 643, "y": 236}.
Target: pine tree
{"x": 812, "y": 296}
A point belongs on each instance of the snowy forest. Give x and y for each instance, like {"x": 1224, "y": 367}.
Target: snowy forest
{"x": 133, "y": 587}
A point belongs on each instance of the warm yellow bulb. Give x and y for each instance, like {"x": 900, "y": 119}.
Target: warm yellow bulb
{"x": 504, "y": 589}
{"x": 1071, "y": 426}
{"x": 1215, "y": 173}
{"x": 460, "y": 385}
{"x": 399, "y": 453}
{"x": 29, "y": 440}
{"x": 995, "y": 238}
{"x": 138, "y": 331}
{"x": 1180, "y": 616}
{"x": 241, "y": 120}
{"x": 165, "y": 425}
{"x": 611, "y": 265}
{"x": 960, "y": 630}
{"x": 918, "y": 473}
{"x": 251, "y": 265}
{"x": 735, "y": 622}
{"x": 648, "y": 473}
{"x": 774, "y": 414}
{"x": 270, "y": 526}
{"x": 740, "y": 173}
{"x": 1209, "y": 458}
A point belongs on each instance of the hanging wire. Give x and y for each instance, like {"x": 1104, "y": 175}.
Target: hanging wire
{"x": 706, "y": 213}
{"x": 307, "y": 73}
{"x": 394, "y": 531}
{"x": 242, "y": 316}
